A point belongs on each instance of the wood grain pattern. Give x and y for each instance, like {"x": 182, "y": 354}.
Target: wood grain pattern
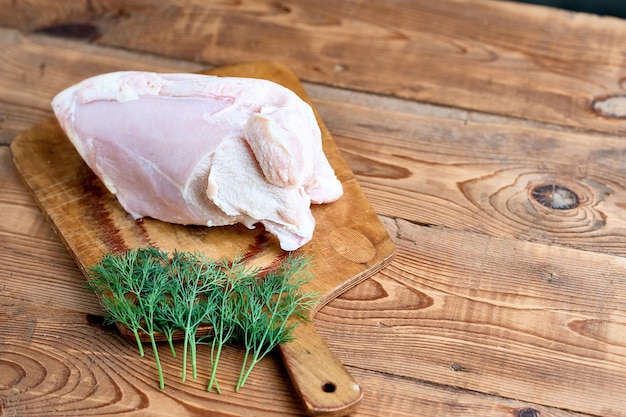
{"x": 47, "y": 373}
{"x": 458, "y": 321}
{"x": 40, "y": 332}
{"x": 492, "y": 56}
{"x": 480, "y": 177}
{"x": 494, "y": 304}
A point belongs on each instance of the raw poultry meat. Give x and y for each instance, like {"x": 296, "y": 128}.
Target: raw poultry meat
{"x": 204, "y": 150}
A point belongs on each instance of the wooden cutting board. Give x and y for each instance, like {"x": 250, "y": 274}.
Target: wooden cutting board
{"x": 349, "y": 243}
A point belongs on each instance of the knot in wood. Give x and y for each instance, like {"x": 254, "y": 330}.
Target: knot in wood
{"x": 555, "y": 196}
{"x": 86, "y": 31}
{"x": 613, "y": 107}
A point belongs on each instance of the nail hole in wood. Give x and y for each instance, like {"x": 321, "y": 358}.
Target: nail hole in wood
{"x": 527, "y": 412}
{"x": 555, "y": 196}
{"x": 457, "y": 368}
{"x": 329, "y": 387}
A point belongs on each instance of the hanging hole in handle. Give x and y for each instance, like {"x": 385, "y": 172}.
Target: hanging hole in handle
{"x": 329, "y": 387}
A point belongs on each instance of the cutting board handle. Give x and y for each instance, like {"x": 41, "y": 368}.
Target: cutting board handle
{"x": 320, "y": 379}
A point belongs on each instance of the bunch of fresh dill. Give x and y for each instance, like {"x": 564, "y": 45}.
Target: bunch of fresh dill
{"x": 151, "y": 292}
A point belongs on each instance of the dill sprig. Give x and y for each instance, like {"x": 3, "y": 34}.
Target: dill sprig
{"x": 192, "y": 292}
{"x": 131, "y": 287}
{"x": 223, "y": 317}
{"x": 151, "y": 292}
{"x": 268, "y": 309}
{"x": 149, "y": 304}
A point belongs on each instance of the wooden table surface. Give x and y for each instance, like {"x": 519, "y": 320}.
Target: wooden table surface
{"x": 486, "y": 134}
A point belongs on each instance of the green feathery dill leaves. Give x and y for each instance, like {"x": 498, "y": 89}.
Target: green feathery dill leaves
{"x": 223, "y": 318}
{"x": 269, "y": 309}
{"x": 151, "y": 292}
{"x": 130, "y": 289}
{"x": 191, "y": 293}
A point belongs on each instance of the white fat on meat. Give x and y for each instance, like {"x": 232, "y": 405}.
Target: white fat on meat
{"x": 202, "y": 150}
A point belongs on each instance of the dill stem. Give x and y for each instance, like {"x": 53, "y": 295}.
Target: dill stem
{"x": 260, "y": 343}
{"x": 172, "y": 349}
{"x": 185, "y": 346}
{"x": 155, "y": 350}
{"x": 194, "y": 369}
{"x": 241, "y": 380}
{"x": 255, "y": 360}
{"x": 222, "y": 321}
{"x": 215, "y": 355}
{"x": 139, "y": 344}
{"x": 214, "y": 370}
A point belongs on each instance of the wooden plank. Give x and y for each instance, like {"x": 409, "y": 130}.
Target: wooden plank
{"x": 486, "y": 177}
{"x": 408, "y": 397}
{"x": 39, "y": 333}
{"x": 539, "y": 323}
{"x": 61, "y": 362}
{"x": 39, "y": 340}
{"x": 492, "y": 56}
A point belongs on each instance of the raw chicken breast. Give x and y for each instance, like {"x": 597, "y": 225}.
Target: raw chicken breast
{"x": 205, "y": 150}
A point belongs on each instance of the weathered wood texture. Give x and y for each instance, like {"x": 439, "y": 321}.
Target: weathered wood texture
{"x": 492, "y": 56}
{"x": 495, "y": 304}
{"x": 486, "y": 177}
{"x": 414, "y": 336}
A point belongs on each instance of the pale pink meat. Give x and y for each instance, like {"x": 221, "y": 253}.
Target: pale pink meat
{"x": 204, "y": 150}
